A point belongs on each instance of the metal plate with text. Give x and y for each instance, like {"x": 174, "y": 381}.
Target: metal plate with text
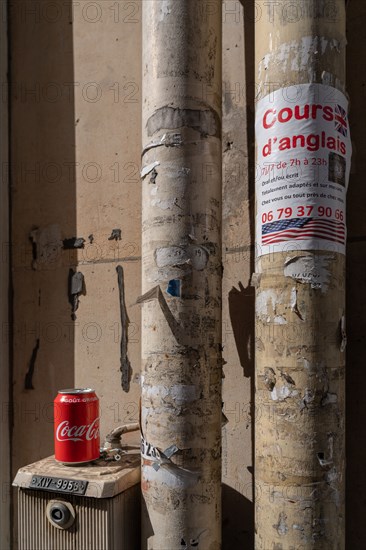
{"x": 59, "y": 485}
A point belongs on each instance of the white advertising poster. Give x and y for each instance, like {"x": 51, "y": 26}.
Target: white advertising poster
{"x": 303, "y": 166}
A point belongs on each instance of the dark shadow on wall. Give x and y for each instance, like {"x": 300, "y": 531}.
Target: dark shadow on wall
{"x": 237, "y": 526}
{"x": 356, "y": 284}
{"x": 241, "y": 308}
{"x": 147, "y": 528}
{"x": 43, "y": 214}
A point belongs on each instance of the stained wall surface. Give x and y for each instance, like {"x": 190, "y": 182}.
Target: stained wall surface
{"x": 75, "y": 159}
{"x": 43, "y": 198}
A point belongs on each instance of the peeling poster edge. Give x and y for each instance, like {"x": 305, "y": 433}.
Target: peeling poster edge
{"x": 169, "y": 139}
{"x": 313, "y": 270}
{"x": 162, "y": 459}
{"x": 149, "y": 168}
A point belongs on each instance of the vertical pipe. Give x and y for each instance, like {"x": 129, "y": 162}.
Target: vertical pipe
{"x": 303, "y": 164}
{"x": 181, "y": 274}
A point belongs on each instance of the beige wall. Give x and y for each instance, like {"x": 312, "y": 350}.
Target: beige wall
{"x": 84, "y": 149}
{"x": 79, "y": 132}
{"x": 107, "y": 138}
{"x": 238, "y": 295}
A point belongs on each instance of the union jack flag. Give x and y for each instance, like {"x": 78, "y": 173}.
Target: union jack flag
{"x": 341, "y": 120}
{"x": 304, "y": 229}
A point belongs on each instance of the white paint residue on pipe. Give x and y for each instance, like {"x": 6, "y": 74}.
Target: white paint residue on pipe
{"x": 165, "y": 9}
{"x": 313, "y": 270}
{"x": 264, "y": 300}
{"x": 297, "y": 55}
{"x": 279, "y": 320}
{"x": 164, "y": 204}
{"x": 197, "y": 256}
{"x": 282, "y": 393}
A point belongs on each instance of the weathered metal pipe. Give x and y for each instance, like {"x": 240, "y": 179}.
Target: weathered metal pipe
{"x": 303, "y": 163}
{"x": 182, "y": 270}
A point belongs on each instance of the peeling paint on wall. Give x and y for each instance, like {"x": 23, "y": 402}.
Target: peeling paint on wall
{"x": 125, "y": 366}
{"x": 116, "y": 235}
{"x": 76, "y": 286}
{"x": 73, "y": 242}
{"x": 47, "y": 245}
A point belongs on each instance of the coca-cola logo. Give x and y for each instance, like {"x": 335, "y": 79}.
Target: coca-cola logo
{"x": 86, "y": 432}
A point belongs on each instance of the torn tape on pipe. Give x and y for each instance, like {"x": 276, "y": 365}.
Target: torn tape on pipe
{"x": 162, "y": 459}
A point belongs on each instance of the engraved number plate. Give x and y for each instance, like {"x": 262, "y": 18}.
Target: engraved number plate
{"x": 59, "y": 485}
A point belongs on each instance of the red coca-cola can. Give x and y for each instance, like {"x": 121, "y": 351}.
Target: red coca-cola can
{"x": 76, "y": 414}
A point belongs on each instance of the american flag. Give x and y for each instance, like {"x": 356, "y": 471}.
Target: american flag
{"x": 341, "y": 119}
{"x": 303, "y": 228}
